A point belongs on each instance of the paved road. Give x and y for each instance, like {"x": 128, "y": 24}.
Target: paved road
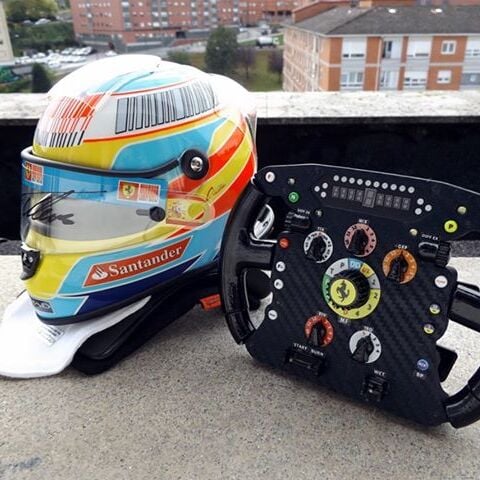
{"x": 193, "y": 405}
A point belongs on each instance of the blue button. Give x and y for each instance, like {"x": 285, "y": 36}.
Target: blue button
{"x": 423, "y": 365}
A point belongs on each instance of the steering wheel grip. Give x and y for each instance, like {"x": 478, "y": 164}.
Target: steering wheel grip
{"x": 463, "y": 408}
{"x": 239, "y": 244}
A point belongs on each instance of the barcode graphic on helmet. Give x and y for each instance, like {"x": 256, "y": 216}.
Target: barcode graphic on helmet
{"x": 65, "y": 121}
{"x": 160, "y": 108}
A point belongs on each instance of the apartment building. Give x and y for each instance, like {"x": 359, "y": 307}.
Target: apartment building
{"x": 139, "y": 22}
{"x": 134, "y": 23}
{"x": 384, "y": 48}
{"x": 273, "y": 11}
{"x": 6, "y": 53}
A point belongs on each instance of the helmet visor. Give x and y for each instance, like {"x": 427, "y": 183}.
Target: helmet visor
{"x": 66, "y": 211}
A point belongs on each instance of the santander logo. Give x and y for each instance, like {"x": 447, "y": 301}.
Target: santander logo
{"x": 128, "y": 267}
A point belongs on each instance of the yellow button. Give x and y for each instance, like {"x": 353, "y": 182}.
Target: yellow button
{"x": 366, "y": 270}
{"x": 450, "y": 226}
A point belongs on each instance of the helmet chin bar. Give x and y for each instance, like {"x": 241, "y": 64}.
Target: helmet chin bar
{"x": 360, "y": 282}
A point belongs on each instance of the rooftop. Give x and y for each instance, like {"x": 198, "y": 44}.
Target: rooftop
{"x": 395, "y": 20}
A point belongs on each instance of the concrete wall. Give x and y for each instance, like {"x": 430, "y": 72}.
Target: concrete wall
{"x": 430, "y": 134}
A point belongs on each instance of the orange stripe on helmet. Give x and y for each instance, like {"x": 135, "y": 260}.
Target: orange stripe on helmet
{"x": 226, "y": 201}
{"x": 217, "y": 162}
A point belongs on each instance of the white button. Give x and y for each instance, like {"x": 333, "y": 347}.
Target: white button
{"x": 278, "y": 284}
{"x": 368, "y": 183}
{"x": 272, "y": 315}
{"x": 316, "y": 188}
{"x": 323, "y": 194}
{"x": 420, "y": 201}
{"x": 351, "y": 180}
{"x": 280, "y": 266}
{"x": 402, "y": 188}
{"x": 441, "y": 281}
{"x": 344, "y": 179}
{"x": 336, "y": 178}
{"x": 359, "y": 181}
{"x": 428, "y": 208}
{"x": 411, "y": 189}
{"x": 270, "y": 177}
{"x": 384, "y": 185}
{"x": 418, "y": 211}
{"x": 376, "y": 184}
{"x": 393, "y": 187}
{"x": 325, "y": 185}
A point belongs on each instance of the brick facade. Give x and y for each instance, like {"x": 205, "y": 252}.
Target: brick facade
{"x": 323, "y": 62}
{"x": 157, "y": 21}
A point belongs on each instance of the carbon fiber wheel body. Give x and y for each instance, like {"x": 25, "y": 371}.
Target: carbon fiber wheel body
{"x": 362, "y": 291}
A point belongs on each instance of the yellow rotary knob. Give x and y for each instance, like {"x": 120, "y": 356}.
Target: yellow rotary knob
{"x": 349, "y": 289}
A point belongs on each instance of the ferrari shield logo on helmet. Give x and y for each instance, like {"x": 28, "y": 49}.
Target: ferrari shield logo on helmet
{"x": 127, "y": 190}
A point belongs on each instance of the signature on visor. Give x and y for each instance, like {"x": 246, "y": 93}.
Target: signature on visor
{"x": 42, "y": 211}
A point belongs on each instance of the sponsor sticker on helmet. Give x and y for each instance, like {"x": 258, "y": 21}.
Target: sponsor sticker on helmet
{"x": 41, "y": 305}
{"x": 34, "y": 173}
{"x": 106, "y": 272}
{"x": 138, "y": 192}
{"x": 149, "y": 193}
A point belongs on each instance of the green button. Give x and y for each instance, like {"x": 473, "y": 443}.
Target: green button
{"x": 293, "y": 197}
{"x": 450, "y": 226}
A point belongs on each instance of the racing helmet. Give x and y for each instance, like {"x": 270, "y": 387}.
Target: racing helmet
{"x": 135, "y": 165}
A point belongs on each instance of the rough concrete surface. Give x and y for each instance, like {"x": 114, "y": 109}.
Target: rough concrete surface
{"x": 307, "y": 107}
{"x": 193, "y": 405}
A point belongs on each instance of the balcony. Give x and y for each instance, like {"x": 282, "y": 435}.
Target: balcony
{"x": 191, "y": 404}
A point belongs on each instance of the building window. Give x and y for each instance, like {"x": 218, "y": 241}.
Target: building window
{"x": 473, "y": 48}
{"x": 391, "y": 48}
{"x": 419, "y": 47}
{"x": 387, "y": 49}
{"x": 470, "y": 79}
{"x": 352, "y": 80}
{"x": 444, "y": 76}
{"x": 415, "y": 79}
{"x": 448, "y": 47}
{"x": 389, "y": 79}
{"x": 354, "y": 48}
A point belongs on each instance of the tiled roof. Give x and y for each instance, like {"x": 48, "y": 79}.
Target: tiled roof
{"x": 395, "y": 20}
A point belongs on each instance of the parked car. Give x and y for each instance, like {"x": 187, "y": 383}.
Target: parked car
{"x": 265, "y": 41}
{"x": 42, "y": 21}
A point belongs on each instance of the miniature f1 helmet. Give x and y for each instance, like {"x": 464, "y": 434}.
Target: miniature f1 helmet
{"x": 134, "y": 168}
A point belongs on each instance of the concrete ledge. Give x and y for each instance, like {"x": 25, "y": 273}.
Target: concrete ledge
{"x": 311, "y": 107}
{"x": 191, "y": 404}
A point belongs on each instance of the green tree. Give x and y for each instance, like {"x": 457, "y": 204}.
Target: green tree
{"x": 41, "y": 82}
{"x": 221, "y": 53}
{"x": 275, "y": 62}
{"x": 20, "y": 10}
{"x": 246, "y": 58}
{"x": 179, "y": 56}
